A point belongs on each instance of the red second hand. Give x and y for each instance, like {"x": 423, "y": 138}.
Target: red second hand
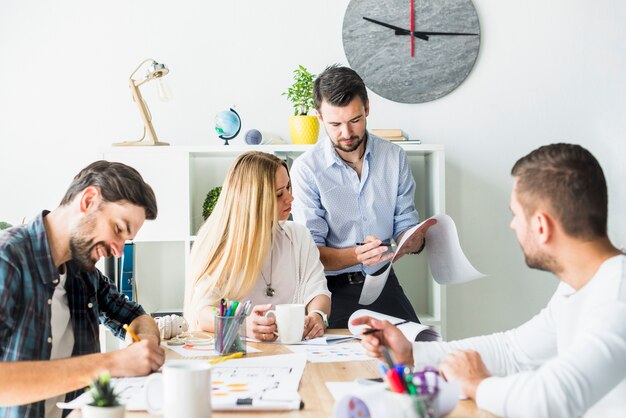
{"x": 412, "y": 28}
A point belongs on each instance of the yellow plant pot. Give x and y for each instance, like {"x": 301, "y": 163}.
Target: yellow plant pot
{"x": 304, "y": 129}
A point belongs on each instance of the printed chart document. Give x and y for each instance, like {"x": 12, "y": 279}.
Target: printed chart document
{"x": 267, "y": 383}
{"x": 331, "y": 353}
{"x": 411, "y": 330}
{"x": 326, "y": 339}
{"x": 447, "y": 262}
{"x": 192, "y": 351}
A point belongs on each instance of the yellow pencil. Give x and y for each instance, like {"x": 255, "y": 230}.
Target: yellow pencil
{"x": 132, "y": 334}
{"x": 228, "y": 357}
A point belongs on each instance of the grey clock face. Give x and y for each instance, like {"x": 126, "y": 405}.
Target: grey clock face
{"x": 382, "y": 55}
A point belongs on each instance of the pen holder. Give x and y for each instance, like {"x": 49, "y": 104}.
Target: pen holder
{"x": 230, "y": 334}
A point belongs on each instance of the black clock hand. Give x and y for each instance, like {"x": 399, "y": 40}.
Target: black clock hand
{"x": 402, "y": 32}
{"x": 399, "y": 31}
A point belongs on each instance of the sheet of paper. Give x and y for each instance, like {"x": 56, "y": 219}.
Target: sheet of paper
{"x": 411, "y": 330}
{"x": 130, "y": 392}
{"x": 373, "y": 285}
{"x": 331, "y": 353}
{"x": 447, "y": 261}
{"x": 189, "y": 351}
{"x": 324, "y": 340}
{"x": 269, "y": 383}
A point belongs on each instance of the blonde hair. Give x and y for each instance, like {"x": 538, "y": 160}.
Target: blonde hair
{"x": 235, "y": 240}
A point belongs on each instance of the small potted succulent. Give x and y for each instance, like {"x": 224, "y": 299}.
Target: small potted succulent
{"x": 105, "y": 402}
{"x": 303, "y": 128}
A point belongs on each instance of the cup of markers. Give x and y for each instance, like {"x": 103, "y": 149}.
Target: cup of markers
{"x": 407, "y": 394}
{"x": 230, "y": 327}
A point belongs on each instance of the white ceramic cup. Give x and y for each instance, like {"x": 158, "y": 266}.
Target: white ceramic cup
{"x": 289, "y": 321}
{"x": 182, "y": 390}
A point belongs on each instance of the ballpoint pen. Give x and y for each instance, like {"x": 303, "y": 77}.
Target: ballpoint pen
{"x": 373, "y": 330}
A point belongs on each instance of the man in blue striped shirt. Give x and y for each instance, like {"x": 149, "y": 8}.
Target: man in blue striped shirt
{"x": 52, "y": 297}
{"x": 353, "y": 187}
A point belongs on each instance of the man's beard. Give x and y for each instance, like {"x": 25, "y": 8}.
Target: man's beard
{"x": 356, "y": 142}
{"x": 82, "y": 246}
{"x": 542, "y": 262}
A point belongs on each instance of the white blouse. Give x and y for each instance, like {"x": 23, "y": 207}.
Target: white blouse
{"x": 294, "y": 270}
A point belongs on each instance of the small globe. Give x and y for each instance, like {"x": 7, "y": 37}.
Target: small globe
{"x": 227, "y": 124}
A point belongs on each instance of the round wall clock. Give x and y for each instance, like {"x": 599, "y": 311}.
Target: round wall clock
{"x": 411, "y": 51}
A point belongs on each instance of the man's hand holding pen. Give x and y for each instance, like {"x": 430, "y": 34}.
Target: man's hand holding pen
{"x": 372, "y": 251}
{"x": 387, "y": 335}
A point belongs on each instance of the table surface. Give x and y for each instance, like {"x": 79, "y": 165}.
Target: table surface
{"x": 318, "y": 401}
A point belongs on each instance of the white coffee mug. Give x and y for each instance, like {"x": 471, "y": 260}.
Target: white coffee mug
{"x": 289, "y": 321}
{"x": 182, "y": 390}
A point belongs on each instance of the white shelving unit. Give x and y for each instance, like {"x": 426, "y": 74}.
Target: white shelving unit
{"x": 181, "y": 176}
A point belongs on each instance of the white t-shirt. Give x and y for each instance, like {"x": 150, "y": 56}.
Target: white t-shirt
{"x": 62, "y": 337}
{"x": 567, "y": 361}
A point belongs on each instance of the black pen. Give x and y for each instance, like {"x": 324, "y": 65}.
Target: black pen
{"x": 373, "y": 330}
{"x": 386, "y": 244}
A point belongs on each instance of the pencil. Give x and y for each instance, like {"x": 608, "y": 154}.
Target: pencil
{"x": 373, "y": 330}
{"x": 224, "y": 358}
{"x": 132, "y": 334}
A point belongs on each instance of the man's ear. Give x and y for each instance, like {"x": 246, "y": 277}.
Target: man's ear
{"x": 367, "y": 107}
{"x": 90, "y": 198}
{"x": 319, "y": 116}
{"x": 543, "y": 224}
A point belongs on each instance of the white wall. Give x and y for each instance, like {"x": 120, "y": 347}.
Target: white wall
{"x": 547, "y": 71}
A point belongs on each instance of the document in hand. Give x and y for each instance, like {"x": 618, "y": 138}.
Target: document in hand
{"x": 411, "y": 330}
{"x": 447, "y": 262}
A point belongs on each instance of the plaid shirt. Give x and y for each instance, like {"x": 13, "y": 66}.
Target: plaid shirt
{"x": 27, "y": 281}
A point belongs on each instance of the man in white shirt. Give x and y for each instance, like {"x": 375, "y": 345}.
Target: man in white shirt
{"x": 570, "y": 359}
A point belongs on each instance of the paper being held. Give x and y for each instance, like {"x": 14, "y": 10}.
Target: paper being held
{"x": 447, "y": 261}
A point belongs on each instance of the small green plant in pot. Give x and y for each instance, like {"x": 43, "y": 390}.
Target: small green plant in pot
{"x": 303, "y": 128}
{"x": 105, "y": 402}
{"x": 210, "y": 201}
{"x": 4, "y": 225}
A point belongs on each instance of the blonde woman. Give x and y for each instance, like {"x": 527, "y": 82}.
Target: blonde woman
{"x": 247, "y": 249}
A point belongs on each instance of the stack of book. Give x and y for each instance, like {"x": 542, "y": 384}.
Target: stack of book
{"x": 392, "y": 134}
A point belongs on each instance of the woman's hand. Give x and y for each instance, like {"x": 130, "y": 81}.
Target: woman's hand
{"x": 259, "y": 326}
{"x": 313, "y": 326}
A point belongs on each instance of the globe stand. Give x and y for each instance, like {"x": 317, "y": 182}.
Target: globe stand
{"x": 227, "y": 137}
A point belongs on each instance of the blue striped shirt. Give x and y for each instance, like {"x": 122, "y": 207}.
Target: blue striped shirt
{"x": 27, "y": 281}
{"x": 339, "y": 209}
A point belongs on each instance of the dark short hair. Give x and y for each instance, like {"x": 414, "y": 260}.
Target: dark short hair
{"x": 570, "y": 180}
{"x": 116, "y": 182}
{"x": 338, "y": 86}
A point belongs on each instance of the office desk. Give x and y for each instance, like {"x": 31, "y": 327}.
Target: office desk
{"x": 318, "y": 402}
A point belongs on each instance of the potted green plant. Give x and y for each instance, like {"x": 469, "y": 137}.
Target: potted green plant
{"x": 4, "y": 225}
{"x": 210, "y": 201}
{"x": 105, "y": 402}
{"x": 303, "y": 127}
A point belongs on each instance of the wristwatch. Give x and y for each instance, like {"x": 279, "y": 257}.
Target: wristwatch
{"x": 422, "y": 248}
{"x": 323, "y": 315}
